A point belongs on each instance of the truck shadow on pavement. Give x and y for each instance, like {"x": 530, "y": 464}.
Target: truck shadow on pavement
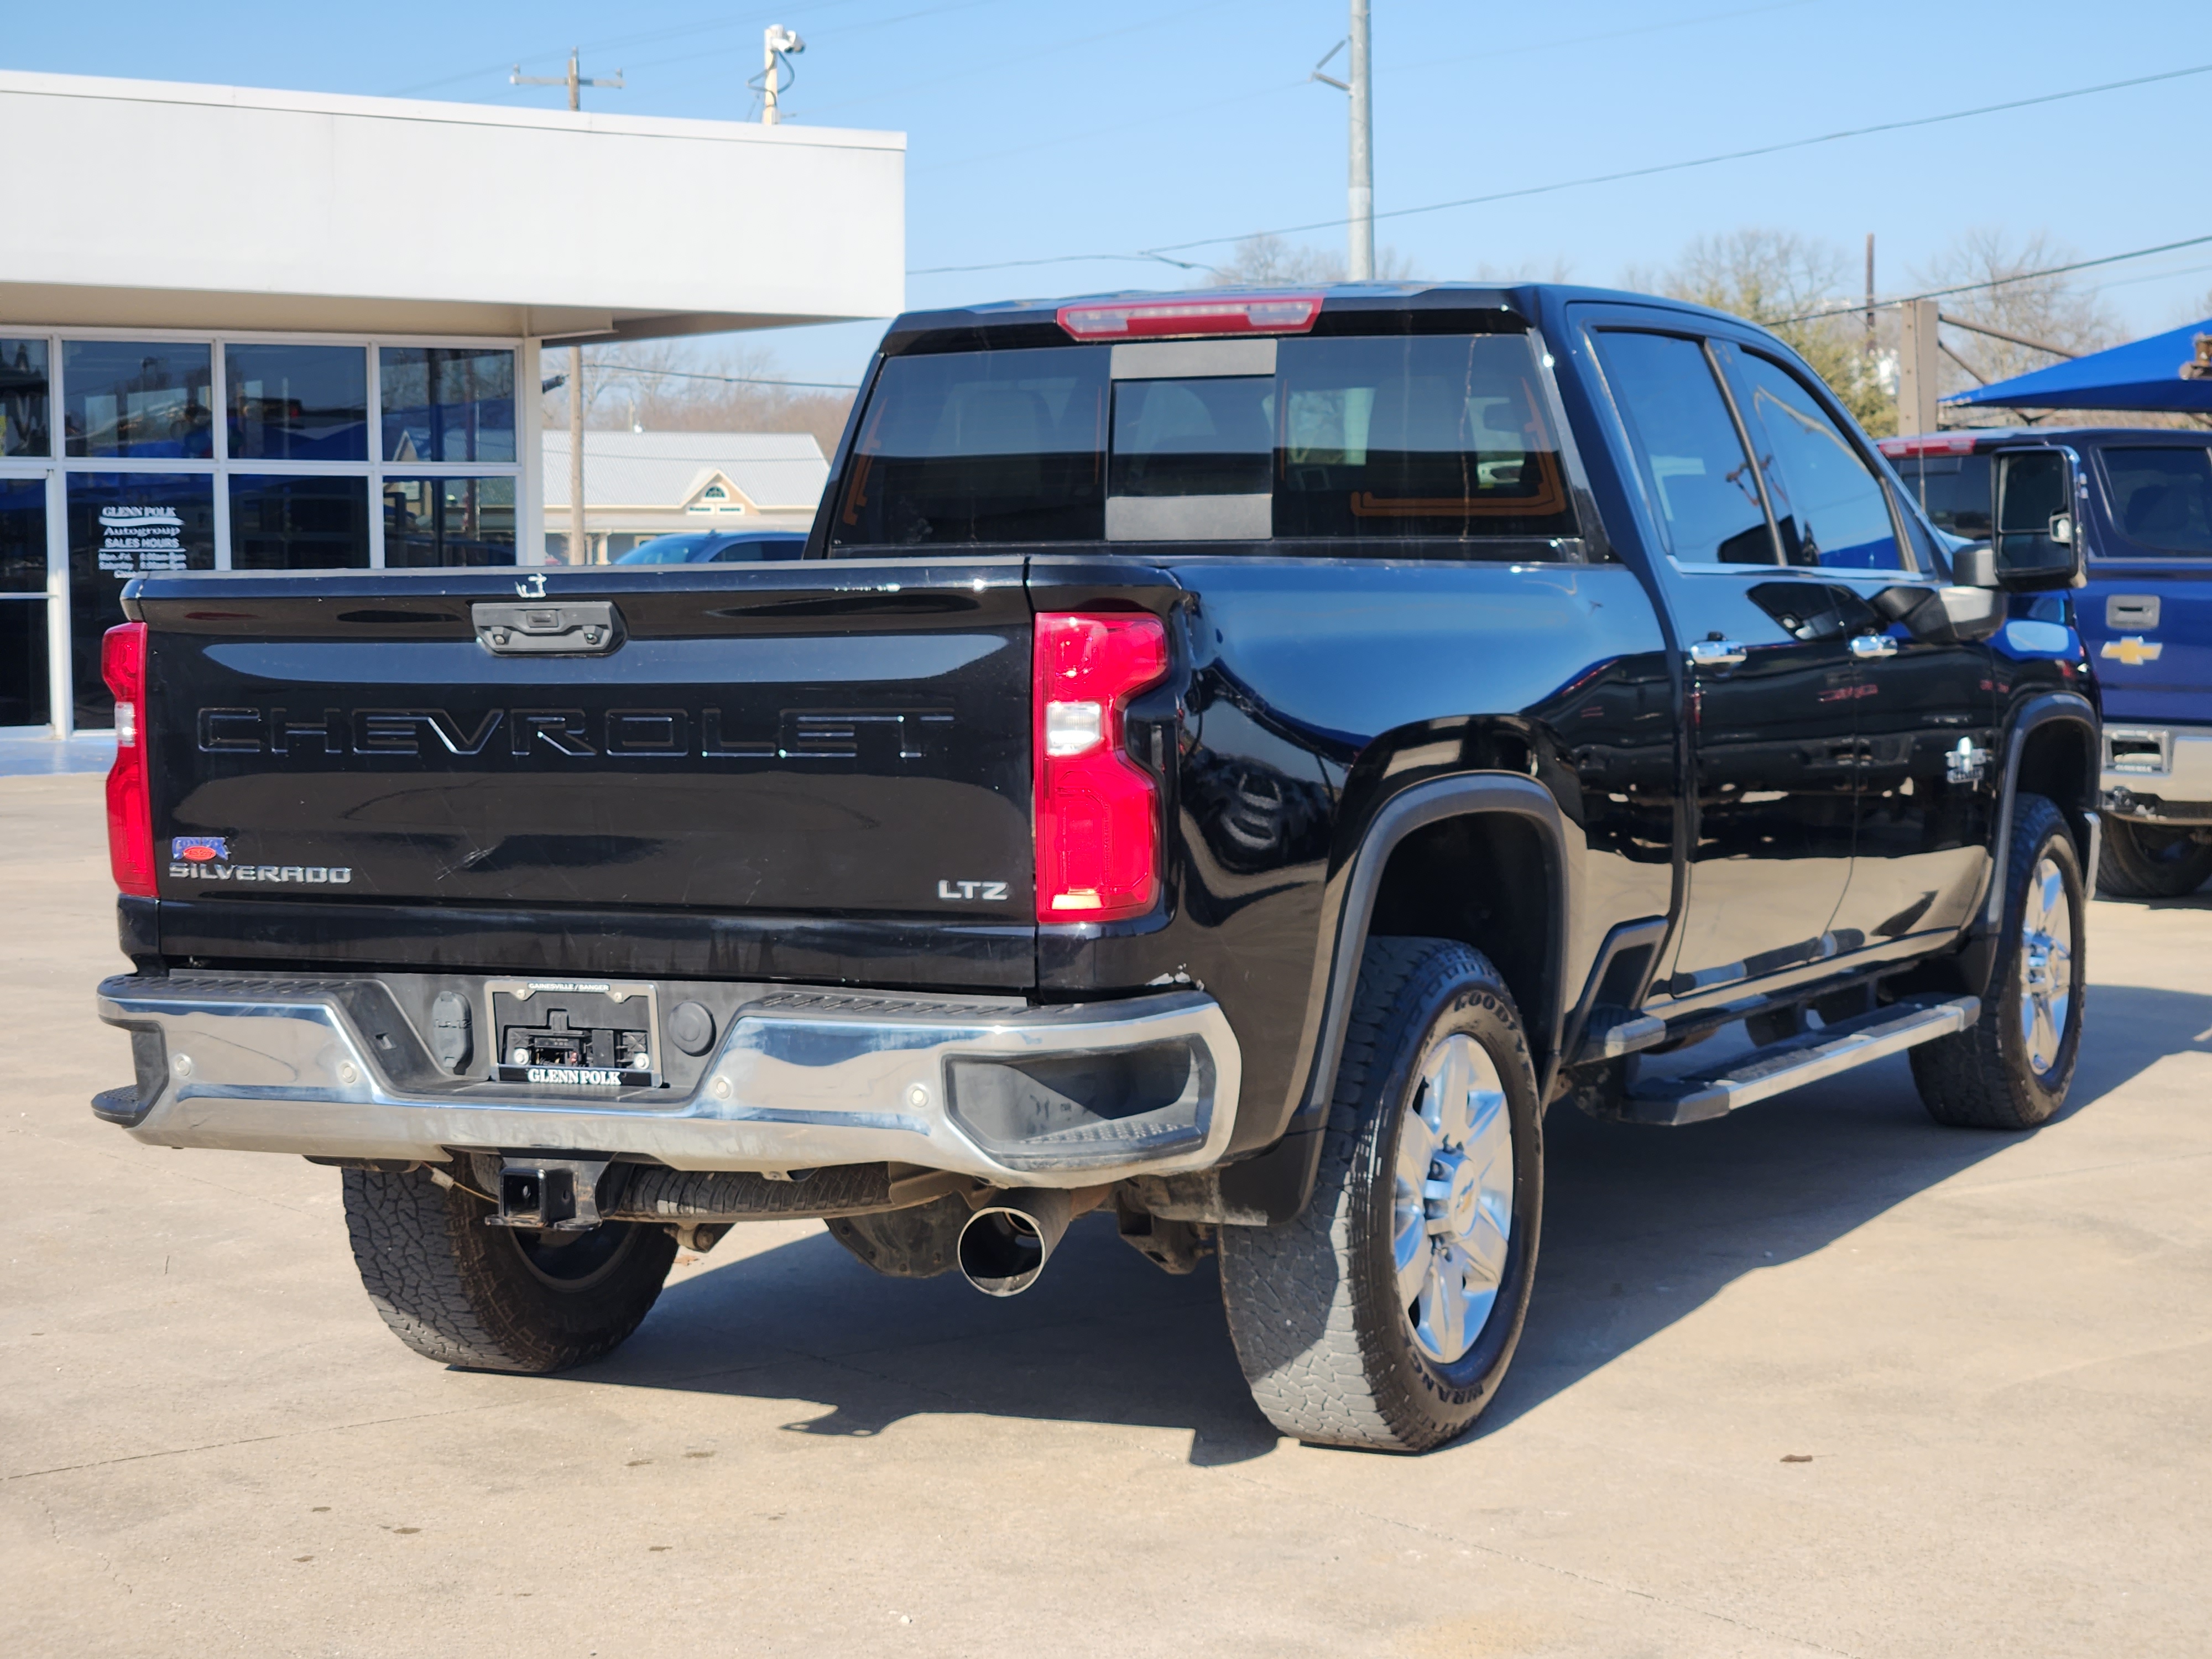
{"x": 1643, "y": 1227}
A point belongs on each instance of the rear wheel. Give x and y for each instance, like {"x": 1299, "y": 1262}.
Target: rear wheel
{"x": 497, "y": 1298}
{"x": 2142, "y": 860}
{"x": 1386, "y": 1313}
{"x": 2010, "y": 1070}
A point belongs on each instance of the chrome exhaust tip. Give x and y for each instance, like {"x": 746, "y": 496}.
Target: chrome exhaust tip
{"x": 1004, "y": 1245}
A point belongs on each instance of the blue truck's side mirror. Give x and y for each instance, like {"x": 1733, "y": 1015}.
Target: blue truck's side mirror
{"x": 2037, "y": 544}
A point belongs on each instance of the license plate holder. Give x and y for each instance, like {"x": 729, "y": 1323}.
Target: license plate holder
{"x": 584, "y": 1034}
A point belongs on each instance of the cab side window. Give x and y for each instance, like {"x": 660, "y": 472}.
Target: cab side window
{"x": 2162, "y": 497}
{"x": 1687, "y": 449}
{"x": 1829, "y": 504}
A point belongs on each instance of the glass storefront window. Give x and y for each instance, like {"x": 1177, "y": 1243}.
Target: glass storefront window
{"x": 25, "y": 696}
{"x": 447, "y": 403}
{"x": 24, "y": 399}
{"x": 122, "y": 524}
{"x": 297, "y": 403}
{"x": 429, "y": 522}
{"x": 137, "y": 397}
{"x": 22, "y": 535}
{"x": 23, "y": 685}
{"x": 298, "y": 524}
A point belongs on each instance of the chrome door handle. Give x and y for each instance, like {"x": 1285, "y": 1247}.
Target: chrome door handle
{"x": 1716, "y": 654}
{"x": 1867, "y": 646}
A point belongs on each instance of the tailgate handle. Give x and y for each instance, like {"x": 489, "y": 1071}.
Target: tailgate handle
{"x": 573, "y": 627}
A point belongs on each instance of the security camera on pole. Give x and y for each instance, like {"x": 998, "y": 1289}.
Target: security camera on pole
{"x": 778, "y": 45}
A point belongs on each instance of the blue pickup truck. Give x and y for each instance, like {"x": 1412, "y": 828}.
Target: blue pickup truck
{"x": 2143, "y": 498}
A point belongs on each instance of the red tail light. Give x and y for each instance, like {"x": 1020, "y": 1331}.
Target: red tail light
{"x": 130, "y": 810}
{"x": 1097, "y": 814}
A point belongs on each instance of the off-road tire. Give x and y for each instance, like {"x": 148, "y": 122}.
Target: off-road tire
{"x": 457, "y": 1290}
{"x": 1981, "y": 1078}
{"x": 1313, "y": 1306}
{"x": 2144, "y": 861}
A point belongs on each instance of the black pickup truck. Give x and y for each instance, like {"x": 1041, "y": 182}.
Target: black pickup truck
{"x": 1230, "y": 761}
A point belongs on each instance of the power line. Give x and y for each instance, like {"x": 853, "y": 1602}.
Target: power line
{"x": 1489, "y": 53}
{"x": 1188, "y": 110}
{"x": 1160, "y": 252}
{"x": 1994, "y": 282}
{"x": 728, "y": 379}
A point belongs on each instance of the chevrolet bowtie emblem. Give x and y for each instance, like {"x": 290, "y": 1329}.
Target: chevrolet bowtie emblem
{"x": 2133, "y": 650}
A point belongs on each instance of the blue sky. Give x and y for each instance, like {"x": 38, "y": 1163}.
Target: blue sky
{"x": 1037, "y": 129}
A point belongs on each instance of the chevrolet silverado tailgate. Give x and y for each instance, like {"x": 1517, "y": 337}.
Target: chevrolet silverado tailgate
{"x": 848, "y": 739}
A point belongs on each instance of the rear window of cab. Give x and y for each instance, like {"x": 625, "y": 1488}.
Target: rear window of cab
{"x": 1351, "y": 443}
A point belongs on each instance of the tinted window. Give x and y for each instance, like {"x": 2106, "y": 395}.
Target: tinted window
{"x": 750, "y": 548}
{"x": 1688, "y": 449}
{"x": 1828, "y": 504}
{"x": 980, "y": 446}
{"x": 1426, "y": 435}
{"x": 1354, "y": 439}
{"x": 431, "y": 522}
{"x": 1197, "y": 437}
{"x": 1953, "y": 490}
{"x": 298, "y": 524}
{"x": 2162, "y": 497}
{"x": 447, "y": 403}
{"x": 668, "y": 550}
{"x": 297, "y": 403}
{"x": 23, "y": 398}
{"x": 125, "y": 398}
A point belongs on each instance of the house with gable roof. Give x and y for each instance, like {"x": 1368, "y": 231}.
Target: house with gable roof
{"x": 638, "y": 485}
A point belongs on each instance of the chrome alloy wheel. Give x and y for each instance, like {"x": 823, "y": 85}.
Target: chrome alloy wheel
{"x": 1452, "y": 1215}
{"x": 2046, "y": 958}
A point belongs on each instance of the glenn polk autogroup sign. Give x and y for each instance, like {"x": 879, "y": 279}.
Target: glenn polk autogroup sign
{"x": 137, "y": 539}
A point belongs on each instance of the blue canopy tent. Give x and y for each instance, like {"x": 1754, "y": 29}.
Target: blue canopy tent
{"x": 2170, "y": 372}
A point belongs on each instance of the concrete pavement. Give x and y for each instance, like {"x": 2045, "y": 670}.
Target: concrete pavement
{"x": 1992, "y": 1350}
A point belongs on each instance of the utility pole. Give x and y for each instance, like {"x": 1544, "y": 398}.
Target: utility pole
{"x": 579, "y": 544}
{"x": 1916, "y": 369}
{"x": 777, "y": 43}
{"x": 574, "y": 82}
{"x": 1360, "y": 255}
{"x": 1869, "y": 310}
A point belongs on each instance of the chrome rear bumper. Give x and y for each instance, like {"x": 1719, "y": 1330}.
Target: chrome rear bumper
{"x": 801, "y": 1079}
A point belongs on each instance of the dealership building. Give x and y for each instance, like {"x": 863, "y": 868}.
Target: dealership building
{"x": 312, "y": 337}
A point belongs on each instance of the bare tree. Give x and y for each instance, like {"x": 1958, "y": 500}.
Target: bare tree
{"x": 1267, "y": 260}
{"x": 1557, "y": 269}
{"x": 1785, "y": 281}
{"x": 690, "y": 386}
{"x": 2054, "y": 309}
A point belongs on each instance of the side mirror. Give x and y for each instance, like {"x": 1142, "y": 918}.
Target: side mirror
{"x": 2035, "y": 545}
{"x": 1975, "y": 566}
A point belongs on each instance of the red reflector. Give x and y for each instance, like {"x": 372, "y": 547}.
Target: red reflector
{"x": 1098, "y": 813}
{"x": 130, "y": 810}
{"x": 1152, "y": 319}
{"x": 1898, "y": 448}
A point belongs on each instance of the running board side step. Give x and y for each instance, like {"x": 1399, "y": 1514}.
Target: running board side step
{"x": 1781, "y": 1066}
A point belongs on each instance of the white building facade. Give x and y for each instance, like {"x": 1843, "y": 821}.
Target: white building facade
{"x": 312, "y": 339}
